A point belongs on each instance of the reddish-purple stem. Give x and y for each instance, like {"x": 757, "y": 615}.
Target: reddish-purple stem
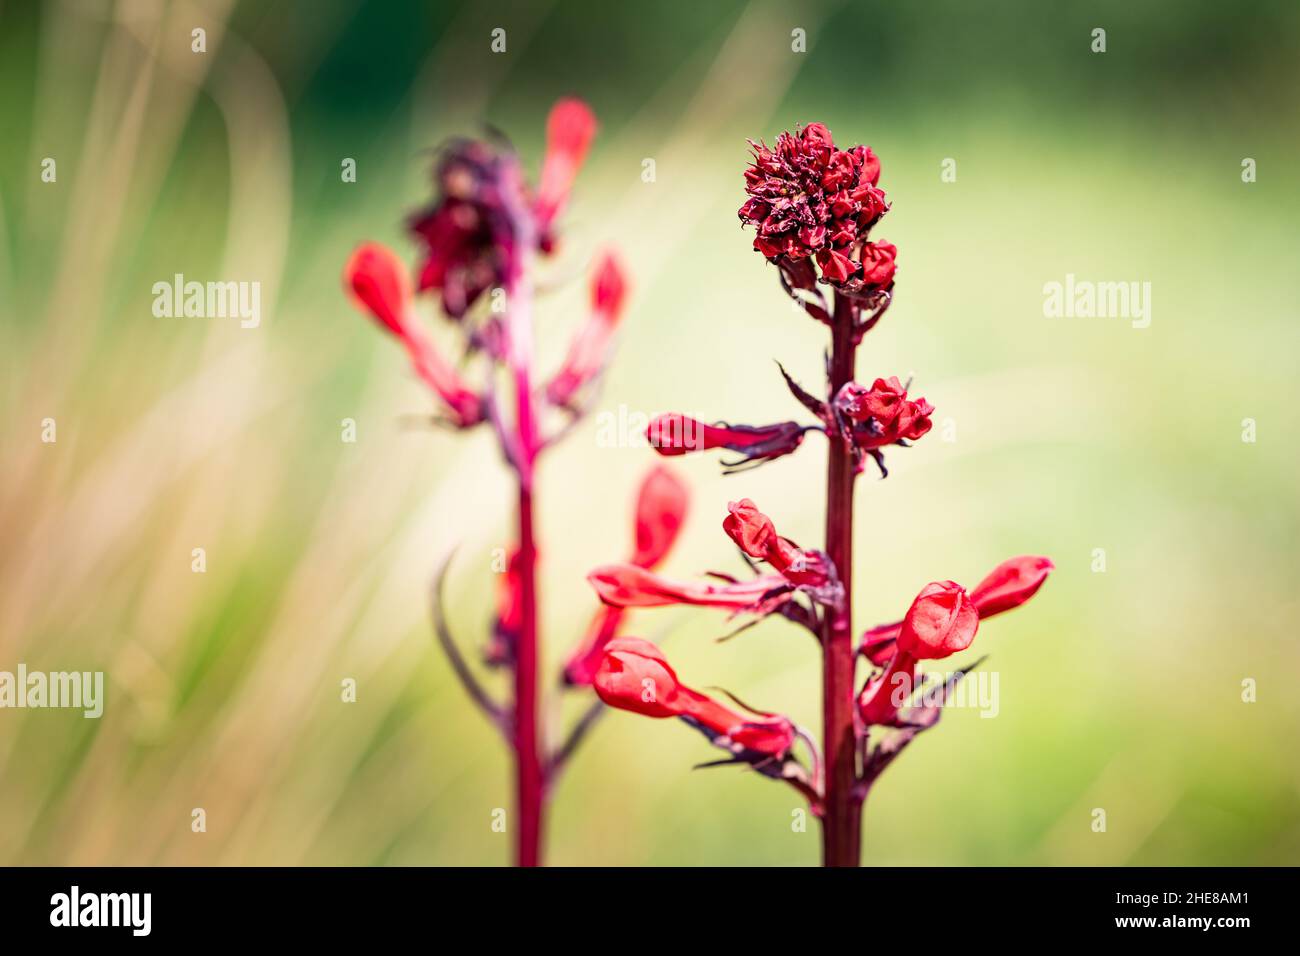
{"x": 528, "y": 763}
{"x": 842, "y": 817}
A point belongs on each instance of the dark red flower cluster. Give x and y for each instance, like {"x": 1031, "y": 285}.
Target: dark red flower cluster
{"x": 809, "y": 200}
{"x": 484, "y": 216}
{"x": 474, "y": 234}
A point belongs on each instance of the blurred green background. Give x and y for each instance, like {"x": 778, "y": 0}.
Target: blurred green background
{"x": 1119, "y": 690}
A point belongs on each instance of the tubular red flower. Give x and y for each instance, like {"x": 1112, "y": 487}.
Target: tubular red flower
{"x": 673, "y": 434}
{"x": 634, "y": 675}
{"x": 755, "y": 534}
{"x": 570, "y": 128}
{"x": 377, "y": 283}
{"x": 626, "y": 585}
{"x": 810, "y": 200}
{"x": 660, "y": 511}
{"x": 589, "y": 350}
{"x": 505, "y": 630}
{"x": 1009, "y": 585}
{"x": 752, "y": 530}
{"x": 941, "y": 621}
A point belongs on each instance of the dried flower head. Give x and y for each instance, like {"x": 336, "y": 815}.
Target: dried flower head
{"x": 809, "y": 200}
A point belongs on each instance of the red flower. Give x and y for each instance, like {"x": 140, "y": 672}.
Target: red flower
{"x": 878, "y": 265}
{"x": 375, "y": 279}
{"x": 626, "y": 585}
{"x": 505, "y": 630}
{"x": 660, "y": 511}
{"x": 673, "y": 434}
{"x": 634, "y": 675}
{"x": 570, "y": 128}
{"x": 755, "y": 534}
{"x": 589, "y": 350}
{"x": 941, "y": 621}
{"x": 1009, "y": 585}
{"x": 809, "y": 199}
{"x": 377, "y": 283}
{"x": 883, "y": 415}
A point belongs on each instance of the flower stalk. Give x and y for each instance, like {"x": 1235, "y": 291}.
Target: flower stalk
{"x": 482, "y": 238}
{"x": 841, "y": 820}
{"x": 812, "y": 206}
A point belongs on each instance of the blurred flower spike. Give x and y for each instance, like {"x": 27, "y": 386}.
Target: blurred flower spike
{"x": 481, "y": 238}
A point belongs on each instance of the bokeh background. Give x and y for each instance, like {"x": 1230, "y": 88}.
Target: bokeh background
{"x": 1120, "y": 690}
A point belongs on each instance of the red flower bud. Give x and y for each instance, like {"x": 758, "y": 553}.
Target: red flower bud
{"x": 1010, "y": 584}
{"x": 589, "y": 350}
{"x": 755, "y": 534}
{"x": 377, "y": 282}
{"x": 634, "y": 675}
{"x": 752, "y": 530}
{"x": 660, "y": 510}
{"x": 673, "y": 434}
{"x": 879, "y": 263}
{"x": 505, "y": 630}
{"x": 941, "y": 621}
{"x": 570, "y": 129}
